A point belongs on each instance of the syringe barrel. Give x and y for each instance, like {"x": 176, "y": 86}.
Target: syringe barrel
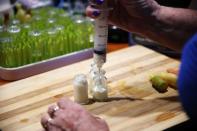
{"x": 101, "y": 35}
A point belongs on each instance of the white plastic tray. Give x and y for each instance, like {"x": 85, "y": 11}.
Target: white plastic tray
{"x": 12, "y": 74}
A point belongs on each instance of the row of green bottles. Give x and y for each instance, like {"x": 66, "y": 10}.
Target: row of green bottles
{"x": 50, "y": 33}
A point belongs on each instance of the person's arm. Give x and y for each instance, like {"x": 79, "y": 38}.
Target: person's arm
{"x": 173, "y": 26}
{"x": 169, "y": 26}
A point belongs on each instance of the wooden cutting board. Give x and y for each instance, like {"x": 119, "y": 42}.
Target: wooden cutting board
{"x": 133, "y": 103}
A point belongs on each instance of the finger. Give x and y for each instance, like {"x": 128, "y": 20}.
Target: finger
{"x": 103, "y": 123}
{"x": 99, "y": 119}
{"x": 92, "y": 12}
{"x": 54, "y": 128}
{"x": 173, "y": 71}
{"x": 52, "y": 109}
{"x": 62, "y": 103}
{"x": 44, "y": 121}
{"x": 66, "y": 103}
{"x": 47, "y": 123}
{"x": 67, "y": 106}
{"x": 97, "y": 3}
{"x": 61, "y": 121}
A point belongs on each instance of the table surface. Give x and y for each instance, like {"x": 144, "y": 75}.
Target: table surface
{"x": 133, "y": 103}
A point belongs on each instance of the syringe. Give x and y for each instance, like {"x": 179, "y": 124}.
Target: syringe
{"x": 101, "y": 35}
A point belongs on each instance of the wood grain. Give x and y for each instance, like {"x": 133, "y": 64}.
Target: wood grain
{"x": 133, "y": 103}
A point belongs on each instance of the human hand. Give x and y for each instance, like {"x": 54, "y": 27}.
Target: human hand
{"x": 130, "y": 15}
{"x": 173, "y": 71}
{"x": 70, "y": 116}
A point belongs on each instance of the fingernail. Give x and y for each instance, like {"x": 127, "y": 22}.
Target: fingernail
{"x": 96, "y": 13}
{"x": 99, "y": 2}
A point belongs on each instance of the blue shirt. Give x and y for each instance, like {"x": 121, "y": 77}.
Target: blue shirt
{"x": 187, "y": 81}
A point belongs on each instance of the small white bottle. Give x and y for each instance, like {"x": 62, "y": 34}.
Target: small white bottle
{"x": 100, "y": 91}
{"x": 80, "y": 86}
{"x": 93, "y": 74}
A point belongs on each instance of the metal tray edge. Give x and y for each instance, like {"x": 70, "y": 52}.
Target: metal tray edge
{"x": 12, "y": 74}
